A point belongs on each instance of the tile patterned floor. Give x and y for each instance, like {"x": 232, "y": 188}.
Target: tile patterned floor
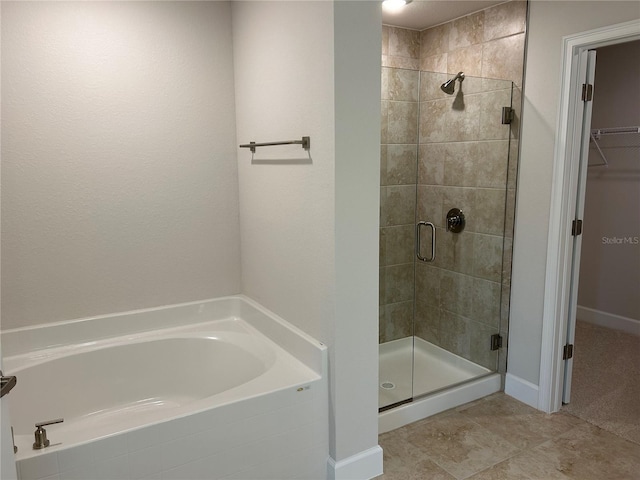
{"x": 497, "y": 438}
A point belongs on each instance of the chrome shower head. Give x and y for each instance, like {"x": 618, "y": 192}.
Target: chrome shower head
{"x": 449, "y": 86}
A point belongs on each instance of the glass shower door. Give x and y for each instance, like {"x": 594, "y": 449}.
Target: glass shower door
{"x": 462, "y": 179}
{"x": 398, "y": 175}
{"x": 446, "y": 163}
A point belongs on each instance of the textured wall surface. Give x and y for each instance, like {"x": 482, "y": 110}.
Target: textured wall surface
{"x": 286, "y": 193}
{"x": 119, "y": 179}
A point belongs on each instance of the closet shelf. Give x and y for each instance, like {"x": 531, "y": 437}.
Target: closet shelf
{"x": 615, "y": 137}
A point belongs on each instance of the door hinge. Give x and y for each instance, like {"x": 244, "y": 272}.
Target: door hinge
{"x": 576, "y": 228}
{"x": 587, "y": 92}
{"x": 496, "y": 341}
{"x": 508, "y": 115}
{"x": 567, "y": 353}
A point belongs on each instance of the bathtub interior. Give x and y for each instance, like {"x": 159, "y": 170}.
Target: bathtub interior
{"x": 113, "y": 382}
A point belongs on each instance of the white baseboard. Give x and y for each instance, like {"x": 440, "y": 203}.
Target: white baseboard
{"x": 608, "y": 320}
{"x": 521, "y": 389}
{"x": 361, "y": 466}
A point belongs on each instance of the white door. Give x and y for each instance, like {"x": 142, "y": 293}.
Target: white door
{"x": 587, "y": 74}
{"x": 7, "y": 458}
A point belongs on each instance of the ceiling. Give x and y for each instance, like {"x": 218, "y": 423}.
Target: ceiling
{"x": 421, "y": 14}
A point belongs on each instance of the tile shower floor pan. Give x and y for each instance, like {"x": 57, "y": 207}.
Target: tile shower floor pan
{"x": 432, "y": 368}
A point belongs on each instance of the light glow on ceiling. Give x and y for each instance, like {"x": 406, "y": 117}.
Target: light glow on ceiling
{"x": 394, "y": 6}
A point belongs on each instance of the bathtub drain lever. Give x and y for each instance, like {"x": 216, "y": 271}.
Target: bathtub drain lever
{"x": 41, "y": 433}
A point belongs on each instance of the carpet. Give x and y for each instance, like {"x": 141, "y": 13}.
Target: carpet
{"x": 605, "y": 389}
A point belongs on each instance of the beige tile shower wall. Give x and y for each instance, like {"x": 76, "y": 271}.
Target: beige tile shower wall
{"x": 400, "y": 48}
{"x": 468, "y": 159}
{"x": 489, "y": 43}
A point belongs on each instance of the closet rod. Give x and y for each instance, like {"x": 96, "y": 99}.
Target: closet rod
{"x": 614, "y": 131}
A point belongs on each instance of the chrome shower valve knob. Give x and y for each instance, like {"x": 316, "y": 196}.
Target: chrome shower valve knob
{"x": 455, "y": 220}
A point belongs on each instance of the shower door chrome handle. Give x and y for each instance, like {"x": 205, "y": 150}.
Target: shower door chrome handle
{"x": 433, "y": 242}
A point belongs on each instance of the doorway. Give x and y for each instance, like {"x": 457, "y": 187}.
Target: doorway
{"x": 565, "y": 196}
{"x": 603, "y": 388}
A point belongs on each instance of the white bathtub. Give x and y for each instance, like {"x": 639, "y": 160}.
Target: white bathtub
{"x": 197, "y": 390}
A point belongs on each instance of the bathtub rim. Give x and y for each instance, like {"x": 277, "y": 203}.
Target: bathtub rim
{"x": 308, "y": 350}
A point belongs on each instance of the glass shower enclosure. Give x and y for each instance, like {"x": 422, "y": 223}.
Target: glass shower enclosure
{"x": 446, "y": 220}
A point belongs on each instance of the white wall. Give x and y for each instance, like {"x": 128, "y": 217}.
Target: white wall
{"x": 283, "y": 57}
{"x": 308, "y": 226}
{"x": 358, "y": 40}
{"x": 119, "y": 180}
{"x": 548, "y": 23}
{"x": 609, "y": 265}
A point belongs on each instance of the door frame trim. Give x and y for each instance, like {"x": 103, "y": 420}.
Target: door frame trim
{"x": 564, "y": 191}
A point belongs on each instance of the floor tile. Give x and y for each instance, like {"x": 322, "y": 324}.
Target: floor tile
{"x": 404, "y": 461}
{"x": 498, "y": 438}
{"x": 588, "y": 452}
{"x": 460, "y": 446}
{"x": 520, "y": 424}
{"x": 524, "y": 466}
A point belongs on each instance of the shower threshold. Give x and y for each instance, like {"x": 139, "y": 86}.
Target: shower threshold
{"x": 441, "y": 380}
